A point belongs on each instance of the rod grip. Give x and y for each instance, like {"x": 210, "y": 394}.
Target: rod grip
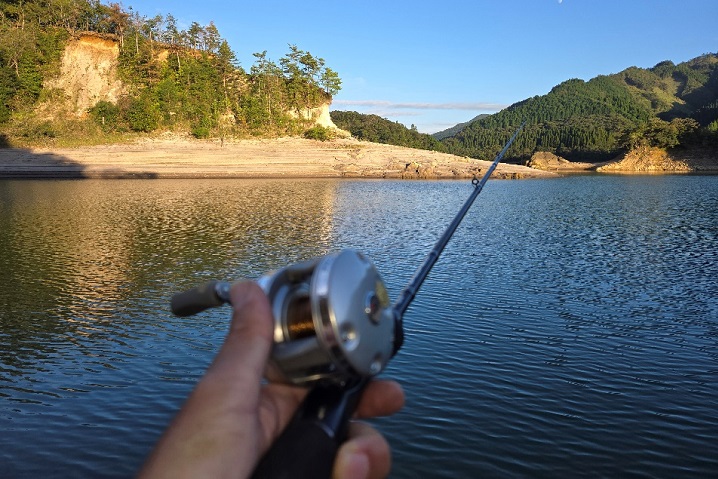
{"x": 308, "y": 446}
{"x": 196, "y": 300}
{"x": 304, "y": 450}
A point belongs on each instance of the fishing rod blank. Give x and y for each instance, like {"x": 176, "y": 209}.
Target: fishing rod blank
{"x": 409, "y": 292}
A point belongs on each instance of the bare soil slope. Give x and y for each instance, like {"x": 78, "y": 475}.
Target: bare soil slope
{"x": 88, "y": 72}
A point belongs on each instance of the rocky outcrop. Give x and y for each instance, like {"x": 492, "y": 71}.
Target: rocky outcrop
{"x": 544, "y": 160}
{"x": 646, "y": 160}
{"x": 320, "y": 116}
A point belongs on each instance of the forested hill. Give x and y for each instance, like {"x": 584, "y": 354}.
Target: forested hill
{"x": 665, "y": 106}
{"x": 380, "y": 130}
{"x": 157, "y": 77}
{"x": 457, "y": 128}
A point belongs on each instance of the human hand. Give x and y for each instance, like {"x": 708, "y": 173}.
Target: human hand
{"x": 231, "y": 419}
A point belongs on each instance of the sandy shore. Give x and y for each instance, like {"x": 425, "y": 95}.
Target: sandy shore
{"x": 172, "y": 157}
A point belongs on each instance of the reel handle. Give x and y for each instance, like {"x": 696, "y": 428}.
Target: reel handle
{"x": 308, "y": 446}
{"x": 196, "y": 300}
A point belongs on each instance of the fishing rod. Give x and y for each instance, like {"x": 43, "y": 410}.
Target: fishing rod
{"x": 334, "y": 329}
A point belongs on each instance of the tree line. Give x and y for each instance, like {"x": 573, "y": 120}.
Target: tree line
{"x": 181, "y": 79}
{"x": 380, "y": 130}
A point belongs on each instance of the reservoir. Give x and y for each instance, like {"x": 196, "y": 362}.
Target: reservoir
{"x": 570, "y": 328}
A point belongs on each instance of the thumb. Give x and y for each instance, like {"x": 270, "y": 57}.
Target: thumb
{"x": 243, "y": 356}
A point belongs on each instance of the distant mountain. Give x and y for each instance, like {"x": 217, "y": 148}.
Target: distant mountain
{"x": 457, "y": 128}
{"x": 380, "y": 130}
{"x": 666, "y": 106}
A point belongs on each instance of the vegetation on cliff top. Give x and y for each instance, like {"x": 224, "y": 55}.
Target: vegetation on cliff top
{"x": 180, "y": 80}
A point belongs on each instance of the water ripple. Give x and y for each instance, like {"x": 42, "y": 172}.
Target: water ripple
{"x": 569, "y": 330}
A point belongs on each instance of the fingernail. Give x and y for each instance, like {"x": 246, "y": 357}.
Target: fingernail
{"x": 354, "y": 466}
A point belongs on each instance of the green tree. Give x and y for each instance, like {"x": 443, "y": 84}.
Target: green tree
{"x": 107, "y": 115}
{"x": 212, "y": 38}
{"x": 226, "y": 61}
{"x": 331, "y": 82}
{"x": 118, "y": 21}
{"x": 173, "y": 38}
{"x": 143, "y": 114}
{"x": 267, "y": 83}
{"x": 194, "y": 35}
{"x": 152, "y": 29}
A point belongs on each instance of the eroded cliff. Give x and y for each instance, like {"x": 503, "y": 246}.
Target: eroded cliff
{"x": 88, "y": 72}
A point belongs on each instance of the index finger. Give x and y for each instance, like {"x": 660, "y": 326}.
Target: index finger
{"x": 381, "y": 398}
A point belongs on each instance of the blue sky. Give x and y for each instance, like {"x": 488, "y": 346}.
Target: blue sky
{"x": 436, "y": 64}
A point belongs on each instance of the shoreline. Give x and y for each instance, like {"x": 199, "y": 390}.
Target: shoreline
{"x": 170, "y": 156}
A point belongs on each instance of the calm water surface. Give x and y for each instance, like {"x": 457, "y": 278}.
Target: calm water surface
{"x": 569, "y": 330}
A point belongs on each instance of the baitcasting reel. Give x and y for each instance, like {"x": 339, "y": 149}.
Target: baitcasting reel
{"x": 332, "y": 318}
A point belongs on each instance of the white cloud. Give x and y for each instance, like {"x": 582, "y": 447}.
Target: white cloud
{"x": 387, "y": 105}
{"x": 428, "y": 117}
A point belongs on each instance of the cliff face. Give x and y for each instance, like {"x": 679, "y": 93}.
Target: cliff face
{"x": 88, "y": 72}
{"x": 319, "y": 115}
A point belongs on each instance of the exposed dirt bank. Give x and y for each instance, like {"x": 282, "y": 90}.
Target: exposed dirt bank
{"x": 657, "y": 160}
{"x": 173, "y": 157}
{"x": 641, "y": 161}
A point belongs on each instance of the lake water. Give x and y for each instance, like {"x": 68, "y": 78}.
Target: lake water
{"x": 569, "y": 330}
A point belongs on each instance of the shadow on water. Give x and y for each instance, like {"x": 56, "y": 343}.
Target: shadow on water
{"x": 26, "y": 163}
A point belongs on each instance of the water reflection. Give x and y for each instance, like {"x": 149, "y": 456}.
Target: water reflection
{"x": 74, "y": 253}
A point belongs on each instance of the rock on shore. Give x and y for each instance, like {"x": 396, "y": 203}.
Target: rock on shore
{"x": 658, "y": 160}
{"x": 544, "y": 160}
{"x": 646, "y": 160}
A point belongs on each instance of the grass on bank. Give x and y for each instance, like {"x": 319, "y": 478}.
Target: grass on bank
{"x": 33, "y": 131}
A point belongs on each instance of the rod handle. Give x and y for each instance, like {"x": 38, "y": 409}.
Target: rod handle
{"x": 308, "y": 446}
{"x": 304, "y": 450}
